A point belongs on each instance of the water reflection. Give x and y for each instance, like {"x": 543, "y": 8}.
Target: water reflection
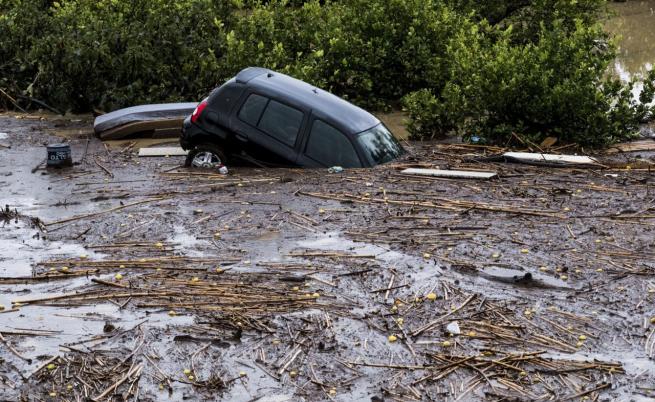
{"x": 635, "y": 24}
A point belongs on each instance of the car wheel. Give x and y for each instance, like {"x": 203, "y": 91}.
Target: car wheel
{"x": 208, "y": 156}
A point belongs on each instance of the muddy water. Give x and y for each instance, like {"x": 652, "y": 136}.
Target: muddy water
{"x": 634, "y": 24}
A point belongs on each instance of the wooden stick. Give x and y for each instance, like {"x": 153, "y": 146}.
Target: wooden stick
{"x": 78, "y": 217}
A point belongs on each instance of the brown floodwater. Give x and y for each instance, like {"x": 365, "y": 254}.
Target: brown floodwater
{"x": 634, "y": 25}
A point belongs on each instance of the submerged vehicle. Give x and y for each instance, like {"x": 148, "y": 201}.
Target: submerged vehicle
{"x": 271, "y": 119}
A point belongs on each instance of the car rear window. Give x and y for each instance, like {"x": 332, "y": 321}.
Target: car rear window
{"x": 252, "y": 109}
{"x": 281, "y": 122}
{"x": 330, "y": 147}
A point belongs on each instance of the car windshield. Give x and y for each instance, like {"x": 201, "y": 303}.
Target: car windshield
{"x": 379, "y": 145}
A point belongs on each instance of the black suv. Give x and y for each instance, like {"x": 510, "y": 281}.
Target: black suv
{"x": 270, "y": 119}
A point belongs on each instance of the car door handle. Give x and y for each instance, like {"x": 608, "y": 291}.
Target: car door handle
{"x": 241, "y": 136}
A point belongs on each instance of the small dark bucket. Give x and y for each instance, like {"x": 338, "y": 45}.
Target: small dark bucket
{"x": 59, "y": 155}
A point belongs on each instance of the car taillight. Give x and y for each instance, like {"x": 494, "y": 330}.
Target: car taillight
{"x": 196, "y": 113}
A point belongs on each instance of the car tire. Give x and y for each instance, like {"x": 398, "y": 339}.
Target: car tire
{"x": 208, "y": 156}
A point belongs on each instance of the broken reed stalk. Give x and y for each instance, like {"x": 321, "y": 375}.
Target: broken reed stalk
{"x": 94, "y": 214}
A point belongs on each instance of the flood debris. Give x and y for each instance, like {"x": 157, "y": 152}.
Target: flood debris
{"x": 550, "y": 159}
{"x": 59, "y": 155}
{"x": 158, "y": 119}
{"x": 635, "y": 146}
{"x": 300, "y": 285}
{"x": 162, "y": 151}
{"x": 453, "y": 174}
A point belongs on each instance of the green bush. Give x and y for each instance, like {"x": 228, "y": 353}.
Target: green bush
{"x": 555, "y": 86}
{"x": 490, "y": 69}
{"x": 371, "y": 52}
{"x": 109, "y": 53}
{"x": 20, "y": 23}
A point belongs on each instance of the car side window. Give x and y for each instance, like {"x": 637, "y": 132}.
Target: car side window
{"x": 330, "y": 147}
{"x": 252, "y": 109}
{"x": 281, "y": 122}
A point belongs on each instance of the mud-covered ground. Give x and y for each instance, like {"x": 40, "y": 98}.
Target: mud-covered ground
{"x": 126, "y": 278}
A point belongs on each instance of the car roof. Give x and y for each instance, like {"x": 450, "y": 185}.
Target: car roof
{"x": 339, "y": 112}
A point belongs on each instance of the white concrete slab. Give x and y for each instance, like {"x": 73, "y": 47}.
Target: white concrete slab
{"x": 528, "y": 157}
{"x": 452, "y": 174}
{"x": 162, "y": 151}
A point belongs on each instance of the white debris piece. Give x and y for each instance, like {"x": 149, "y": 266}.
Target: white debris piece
{"x": 162, "y": 151}
{"x": 453, "y": 174}
{"x": 453, "y": 328}
{"x": 528, "y": 157}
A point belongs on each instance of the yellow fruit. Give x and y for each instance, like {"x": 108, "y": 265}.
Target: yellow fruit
{"x": 53, "y": 394}
{"x": 84, "y": 257}
{"x": 564, "y": 277}
{"x": 582, "y": 338}
{"x": 64, "y": 269}
{"x": 431, "y": 296}
{"x": 276, "y": 342}
{"x": 524, "y": 251}
{"x": 579, "y": 344}
{"x": 567, "y": 209}
{"x": 446, "y": 343}
{"x": 543, "y": 269}
{"x": 427, "y": 255}
{"x": 118, "y": 277}
{"x": 172, "y": 313}
{"x": 242, "y": 373}
{"x": 393, "y": 338}
{"x": 217, "y": 235}
{"x": 187, "y": 371}
{"x": 121, "y": 266}
{"x": 333, "y": 391}
{"x": 159, "y": 244}
{"x": 295, "y": 288}
{"x": 523, "y": 373}
{"x": 51, "y": 366}
{"x": 400, "y": 321}
{"x": 495, "y": 255}
{"x": 69, "y": 387}
{"x": 195, "y": 279}
{"x": 321, "y": 211}
{"x": 191, "y": 378}
{"x": 316, "y": 295}
{"x": 652, "y": 320}
{"x": 219, "y": 270}
{"x": 599, "y": 270}
{"x": 394, "y": 308}
{"x": 471, "y": 333}
{"x": 293, "y": 374}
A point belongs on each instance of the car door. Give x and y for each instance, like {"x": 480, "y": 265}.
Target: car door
{"x": 274, "y": 127}
{"x": 327, "y": 146}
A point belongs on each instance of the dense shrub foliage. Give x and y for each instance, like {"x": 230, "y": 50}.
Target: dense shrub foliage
{"x": 490, "y": 69}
